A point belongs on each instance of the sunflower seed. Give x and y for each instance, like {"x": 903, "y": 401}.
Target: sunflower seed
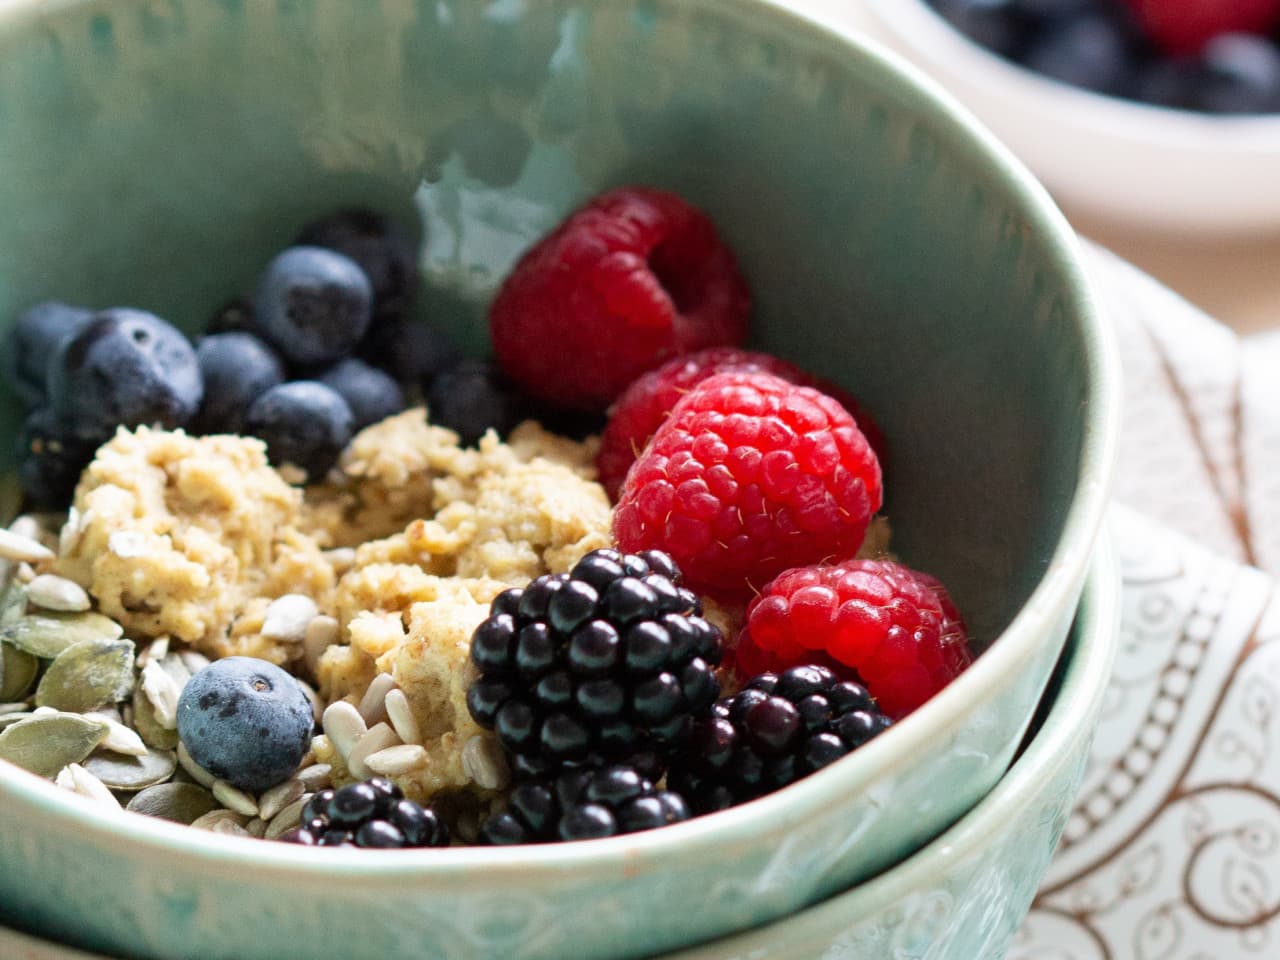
{"x": 19, "y": 706}
{"x": 233, "y": 798}
{"x": 163, "y": 692}
{"x": 18, "y": 671}
{"x": 148, "y": 727}
{"x": 155, "y": 650}
{"x": 181, "y": 802}
{"x": 343, "y": 725}
{"x": 198, "y": 773}
{"x": 9, "y": 719}
{"x": 175, "y": 667}
{"x": 85, "y": 783}
{"x": 287, "y": 617}
{"x": 322, "y": 633}
{"x": 88, "y": 675}
{"x": 230, "y": 828}
{"x": 279, "y": 797}
{"x": 131, "y": 774}
{"x": 210, "y": 819}
{"x": 71, "y": 533}
{"x": 45, "y": 744}
{"x": 315, "y": 777}
{"x": 121, "y": 739}
{"x": 47, "y": 634}
{"x": 58, "y": 593}
{"x": 19, "y": 542}
{"x": 256, "y": 827}
{"x": 400, "y": 759}
{"x": 194, "y": 662}
{"x": 400, "y": 714}
{"x": 317, "y": 702}
{"x": 287, "y": 818}
{"x": 379, "y": 737}
{"x": 483, "y": 761}
{"x": 24, "y": 573}
{"x": 373, "y": 703}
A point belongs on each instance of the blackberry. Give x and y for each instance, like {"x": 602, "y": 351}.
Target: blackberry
{"x": 373, "y": 813}
{"x": 593, "y": 666}
{"x": 583, "y": 804}
{"x": 777, "y": 729}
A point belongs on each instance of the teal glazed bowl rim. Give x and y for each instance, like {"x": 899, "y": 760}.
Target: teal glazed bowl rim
{"x": 1071, "y": 714}
{"x": 1055, "y": 594}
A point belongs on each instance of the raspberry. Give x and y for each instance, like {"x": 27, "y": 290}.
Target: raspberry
{"x": 633, "y": 278}
{"x": 779, "y": 728}
{"x": 895, "y": 627}
{"x": 1185, "y": 26}
{"x": 640, "y": 410}
{"x": 748, "y": 476}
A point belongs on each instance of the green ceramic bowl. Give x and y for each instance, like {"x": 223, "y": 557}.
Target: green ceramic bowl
{"x": 156, "y": 153}
{"x": 964, "y": 895}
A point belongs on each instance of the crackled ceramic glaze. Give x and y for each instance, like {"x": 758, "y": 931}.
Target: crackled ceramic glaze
{"x": 156, "y": 152}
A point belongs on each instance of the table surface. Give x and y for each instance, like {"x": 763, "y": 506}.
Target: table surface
{"x": 1236, "y": 280}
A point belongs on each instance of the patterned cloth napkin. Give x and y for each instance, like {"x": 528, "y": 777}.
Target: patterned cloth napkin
{"x": 1173, "y": 849}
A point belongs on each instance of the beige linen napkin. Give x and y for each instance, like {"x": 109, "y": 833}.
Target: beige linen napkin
{"x": 1173, "y": 849}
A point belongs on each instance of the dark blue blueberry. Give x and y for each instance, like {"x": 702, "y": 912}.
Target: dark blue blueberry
{"x": 1240, "y": 74}
{"x": 313, "y": 305}
{"x": 379, "y": 247}
{"x": 29, "y": 343}
{"x": 237, "y": 368}
{"x": 995, "y": 24}
{"x": 49, "y": 462}
{"x": 1095, "y": 52}
{"x": 371, "y": 393}
{"x": 124, "y": 368}
{"x": 304, "y": 423}
{"x": 245, "y": 721}
{"x": 473, "y": 397}
{"x": 409, "y": 349}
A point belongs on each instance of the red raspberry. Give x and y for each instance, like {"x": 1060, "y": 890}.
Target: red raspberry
{"x": 639, "y": 411}
{"x": 750, "y": 475}
{"x": 631, "y": 279}
{"x": 1185, "y": 26}
{"x": 895, "y": 627}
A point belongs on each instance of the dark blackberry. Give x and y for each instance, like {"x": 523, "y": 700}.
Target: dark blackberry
{"x": 592, "y": 666}
{"x": 373, "y": 813}
{"x": 779, "y": 728}
{"x": 583, "y": 804}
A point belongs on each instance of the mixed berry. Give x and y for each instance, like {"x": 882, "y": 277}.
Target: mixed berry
{"x": 734, "y": 639}
{"x": 1212, "y": 56}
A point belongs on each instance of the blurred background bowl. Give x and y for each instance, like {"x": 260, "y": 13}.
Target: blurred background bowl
{"x": 1114, "y": 160}
{"x": 157, "y": 154}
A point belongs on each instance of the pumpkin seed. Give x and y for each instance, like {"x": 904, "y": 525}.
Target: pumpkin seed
{"x": 13, "y": 601}
{"x": 210, "y": 819}
{"x": 18, "y": 671}
{"x": 88, "y": 675}
{"x": 58, "y": 593}
{"x": 46, "y": 744}
{"x": 231, "y": 828}
{"x": 148, "y": 727}
{"x": 47, "y": 634}
{"x": 131, "y": 774}
{"x": 181, "y": 802}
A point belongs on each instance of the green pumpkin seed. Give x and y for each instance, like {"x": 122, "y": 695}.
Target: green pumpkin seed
{"x": 47, "y": 634}
{"x": 182, "y": 802}
{"x": 132, "y": 774}
{"x": 45, "y": 744}
{"x": 13, "y": 601}
{"x": 18, "y": 671}
{"x": 88, "y": 675}
{"x": 148, "y": 727}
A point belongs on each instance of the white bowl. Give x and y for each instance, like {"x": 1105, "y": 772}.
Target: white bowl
{"x": 1113, "y": 160}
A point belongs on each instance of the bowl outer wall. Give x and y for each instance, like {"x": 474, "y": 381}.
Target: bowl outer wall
{"x": 178, "y": 880}
{"x": 1117, "y": 160}
{"x": 965, "y": 894}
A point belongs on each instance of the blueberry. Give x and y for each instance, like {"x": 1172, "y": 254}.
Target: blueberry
{"x": 29, "y": 342}
{"x": 1241, "y": 74}
{"x": 379, "y": 247}
{"x": 371, "y": 393}
{"x": 49, "y": 463}
{"x": 237, "y": 369}
{"x": 313, "y": 305}
{"x": 124, "y": 368}
{"x": 1094, "y": 51}
{"x": 409, "y": 349}
{"x": 245, "y": 721}
{"x": 304, "y": 423}
{"x": 472, "y": 398}
{"x": 994, "y": 24}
